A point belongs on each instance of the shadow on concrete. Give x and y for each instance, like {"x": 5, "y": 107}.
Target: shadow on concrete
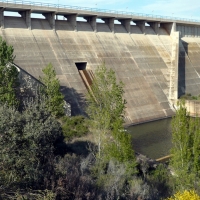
{"x": 119, "y": 28}
{"x": 134, "y": 29}
{"x": 181, "y": 69}
{"x": 40, "y": 24}
{"x": 102, "y": 27}
{"x": 14, "y": 22}
{"x": 84, "y": 26}
{"x": 30, "y": 86}
{"x": 75, "y": 99}
{"x": 63, "y": 25}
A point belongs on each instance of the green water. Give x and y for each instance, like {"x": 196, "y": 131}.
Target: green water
{"x": 152, "y": 139}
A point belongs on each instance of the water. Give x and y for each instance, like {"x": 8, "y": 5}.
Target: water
{"x": 152, "y": 139}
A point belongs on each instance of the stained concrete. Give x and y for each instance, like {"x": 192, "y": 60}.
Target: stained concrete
{"x": 155, "y": 67}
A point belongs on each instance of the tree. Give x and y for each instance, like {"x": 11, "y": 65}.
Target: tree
{"x": 6, "y": 53}
{"x": 8, "y": 75}
{"x": 106, "y": 114}
{"x": 55, "y": 99}
{"x": 185, "y": 148}
{"x": 27, "y": 143}
{"x": 74, "y": 126}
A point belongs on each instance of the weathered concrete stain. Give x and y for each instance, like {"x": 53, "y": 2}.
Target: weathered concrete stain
{"x": 156, "y": 66}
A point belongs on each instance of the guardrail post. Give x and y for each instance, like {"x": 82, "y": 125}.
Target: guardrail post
{"x": 126, "y": 23}
{"x": 92, "y": 21}
{"x": 72, "y": 19}
{"x": 27, "y": 17}
{"x": 51, "y": 18}
{"x": 2, "y": 17}
{"x": 141, "y": 25}
{"x": 110, "y": 23}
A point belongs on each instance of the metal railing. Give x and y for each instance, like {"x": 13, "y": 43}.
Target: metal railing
{"x": 96, "y": 10}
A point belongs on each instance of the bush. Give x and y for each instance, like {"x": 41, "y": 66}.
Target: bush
{"x": 74, "y": 127}
{"x": 27, "y": 142}
{"x": 55, "y": 99}
{"x": 185, "y": 195}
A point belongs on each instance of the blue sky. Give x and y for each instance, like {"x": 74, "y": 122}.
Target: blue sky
{"x": 189, "y": 9}
{"x": 174, "y": 8}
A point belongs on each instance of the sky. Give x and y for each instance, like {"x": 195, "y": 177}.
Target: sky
{"x": 174, "y": 8}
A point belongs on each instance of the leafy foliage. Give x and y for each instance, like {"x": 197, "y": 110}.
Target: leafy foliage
{"x": 55, "y": 99}
{"x": 188, "y": 96}
{"x": 8, "y": 75}
{"x": 185, "y": 195}
{"x": 27, "y": 145}
{"x": 186, "y": 150}
{"x": 6, "y": 53}
{"x": 74, "y": 126}
{"x": 106, "y": 111}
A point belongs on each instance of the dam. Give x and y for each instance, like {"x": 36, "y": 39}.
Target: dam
{"x": 156, "y": 58}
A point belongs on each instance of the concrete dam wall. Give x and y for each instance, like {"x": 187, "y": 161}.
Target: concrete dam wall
{"x": 156, "y": 63}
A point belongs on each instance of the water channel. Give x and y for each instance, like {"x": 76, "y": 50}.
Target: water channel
{"x": 152, "y": 139}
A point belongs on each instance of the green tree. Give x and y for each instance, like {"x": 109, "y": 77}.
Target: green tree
{"x": 55, "y": 99}
{"x": 186, "y": 149}
{"x": 27, "y": 143}
{"x": 106, "y": 114}
{"x": 8, "y": 75}
{"x": 6, "y": 53}
{"x": 74, "y": 126}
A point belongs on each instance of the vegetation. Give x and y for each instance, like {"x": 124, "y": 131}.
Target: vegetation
{"x": 185, "y": 195}
{"x": 6, "y": 53}
{"x": 74, "y": 127}
{"x": 55, "y": 99}
{"x": 8, "y": 75}
{"x": 186, "y": 150}
{"x": 106, "y": 113}
{"x": 27, "y": 146}
{"x": 188, "y": 96}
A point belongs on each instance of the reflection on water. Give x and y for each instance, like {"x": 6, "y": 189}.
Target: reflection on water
{"x": 152, "y": 139}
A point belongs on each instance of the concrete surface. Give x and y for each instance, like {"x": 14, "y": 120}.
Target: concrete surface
{"x": 156, "y": 65}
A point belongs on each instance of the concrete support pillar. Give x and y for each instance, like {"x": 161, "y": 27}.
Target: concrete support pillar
{"x": 169, "y": 27}
{"x": 174, "y": 69}
{"x": 51, "y": 18}
{"x": 196, "y": 31}
{"x": 175, "y": 63}
{"x": 27, "y": 17}
{"x": 72, "y": 19}
{"x": 174, "y": 27}
{"x": 2, "y": 18}
{"x": 141, "y": 25}
{"x": 154, "y": 26}
{"x": 110, "y": 23}
{"x": 92, "y": 21}
{"x": 126, "y": 23}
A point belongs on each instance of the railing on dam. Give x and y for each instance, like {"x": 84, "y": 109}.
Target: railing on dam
{"x": 96, "y": 10}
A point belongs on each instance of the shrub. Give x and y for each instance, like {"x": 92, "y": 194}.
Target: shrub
{"x": 185, "y": 195}
{"x": 74, "y": 127}
{"x": 27, "y": 146}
